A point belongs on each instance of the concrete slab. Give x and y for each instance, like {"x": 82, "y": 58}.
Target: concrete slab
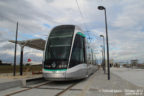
{"x": 98, "y": 85}
{"x": 10, "y": 84}
{"x": 7, "y": 83}
{"x": 135, "y": 76}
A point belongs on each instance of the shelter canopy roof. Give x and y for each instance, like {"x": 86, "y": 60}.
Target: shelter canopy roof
{"x": 38, "y": 44}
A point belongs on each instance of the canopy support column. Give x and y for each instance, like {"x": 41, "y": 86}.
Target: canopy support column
{"x": 21, "y": 60}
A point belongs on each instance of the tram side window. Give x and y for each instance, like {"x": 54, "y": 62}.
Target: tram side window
{"x": 77, "y": 56}
{"x": 88, "y": 55}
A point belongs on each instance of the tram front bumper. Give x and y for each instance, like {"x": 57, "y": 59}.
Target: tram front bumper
{"x": 54, "y": 76}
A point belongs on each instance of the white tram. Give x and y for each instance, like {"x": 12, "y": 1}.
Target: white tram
{"x": 67, "y": 54}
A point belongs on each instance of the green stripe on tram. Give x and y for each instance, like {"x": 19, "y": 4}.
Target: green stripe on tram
{"x": 55, "y": 69}
{"x": 81, "y": 34}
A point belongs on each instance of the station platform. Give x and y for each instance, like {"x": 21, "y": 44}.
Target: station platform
{"x": 132, "y": 75}
{"x": 8, "y": 81}
{"x": 98, "y": 85}
{"x": 95, "y": 85}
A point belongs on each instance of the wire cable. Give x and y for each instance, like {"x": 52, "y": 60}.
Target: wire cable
{"x": 82, "y": 16}
{"x": 86, "y": 26}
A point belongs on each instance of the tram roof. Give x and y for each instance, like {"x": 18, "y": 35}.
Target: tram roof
{"x": 38, "y": 44}
{"x": 76, "y": 27}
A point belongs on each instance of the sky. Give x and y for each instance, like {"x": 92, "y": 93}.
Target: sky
{"x": 37, "y": 17}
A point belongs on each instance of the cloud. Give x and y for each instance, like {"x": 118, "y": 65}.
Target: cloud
{"x": 37, "y": 18}
{"x": 7, "y": 46}
{"x": 130, "y": 15}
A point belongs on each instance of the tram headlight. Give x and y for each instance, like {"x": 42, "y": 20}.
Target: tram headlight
{"x": 65, "y": 66}
{"x": 62, "y": 66}
{"x": 49, "y": 66}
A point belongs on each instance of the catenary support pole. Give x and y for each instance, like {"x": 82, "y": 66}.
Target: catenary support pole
{"x": 14, "y": 66}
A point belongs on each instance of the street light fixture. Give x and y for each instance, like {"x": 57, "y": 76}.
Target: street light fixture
{"x": 103, "y": 8}
{"x": 103, "y": 53}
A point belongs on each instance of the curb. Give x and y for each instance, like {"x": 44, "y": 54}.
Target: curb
{"x": 20, "y": 83}
{"x": 11, "y": 84}
{"x": 31, "y": 81}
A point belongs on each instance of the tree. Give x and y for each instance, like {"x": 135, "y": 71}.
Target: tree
{"x": 27, "y": 64}
{"x": 0, "y": 61}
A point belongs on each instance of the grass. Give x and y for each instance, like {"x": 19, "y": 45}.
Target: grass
{"x": 9, "y": 69}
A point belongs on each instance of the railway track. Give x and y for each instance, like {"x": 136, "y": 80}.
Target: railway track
{"x": 68, "y": 88}
{"x": 45, "y": 83}
{"x": 29, "y": 88}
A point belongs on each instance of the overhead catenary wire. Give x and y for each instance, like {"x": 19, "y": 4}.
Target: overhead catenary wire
{"x": 86, "y": 26}
{"x": 82, "y": 16}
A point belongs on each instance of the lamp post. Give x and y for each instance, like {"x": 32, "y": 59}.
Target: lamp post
{"x": 103, "y": 53}
{"x": 103, "y": 8}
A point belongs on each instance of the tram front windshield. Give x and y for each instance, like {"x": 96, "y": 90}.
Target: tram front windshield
{"x": 58, "y": 48}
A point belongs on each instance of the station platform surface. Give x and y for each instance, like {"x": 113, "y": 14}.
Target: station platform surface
{"x": 8, "y": 81}
{"x": 133, "y": 75}
{"x": 96, "y": 85}
{"x": 7, "y": 77}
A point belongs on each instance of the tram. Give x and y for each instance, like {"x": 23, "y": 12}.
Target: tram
{"x": 68, "y": 55}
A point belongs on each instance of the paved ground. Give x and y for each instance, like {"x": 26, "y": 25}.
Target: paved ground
{"x": 8, "y": 77}
{"x": 9, "y": 81}
{"x": 95, "y": 85}
{"x": 135, "y": 76}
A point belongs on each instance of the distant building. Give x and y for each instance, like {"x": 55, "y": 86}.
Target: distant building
{"x": 134, "y": 62}
{"x": 127, "y": 65}
{"x": 140, "y": 66}
{"x": 111, "y": 62}
{"x": 116, "y": 65}
{"x": 0, "y": 61}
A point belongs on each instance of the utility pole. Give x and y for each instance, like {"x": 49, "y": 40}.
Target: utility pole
{"x": 14, "y": 67}
{"x": 104, "y": 64}
{"x": 103, "y": 8}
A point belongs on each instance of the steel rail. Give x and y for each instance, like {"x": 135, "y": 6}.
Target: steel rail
{"x": 68, "y": 88}
{"x": 16, "y": 92}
